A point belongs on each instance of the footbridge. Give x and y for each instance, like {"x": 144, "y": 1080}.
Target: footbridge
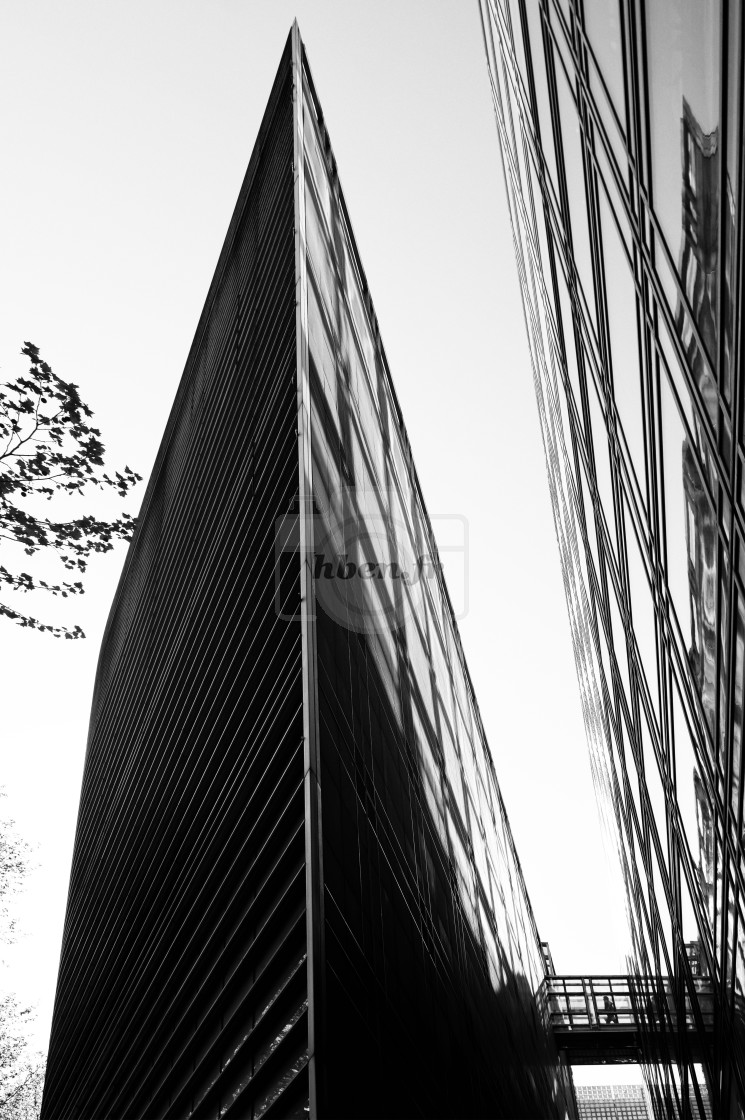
{"x": 606, "y": 1019}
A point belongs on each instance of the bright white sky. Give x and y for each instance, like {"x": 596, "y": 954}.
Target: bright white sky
{"x": 126, "y": 133}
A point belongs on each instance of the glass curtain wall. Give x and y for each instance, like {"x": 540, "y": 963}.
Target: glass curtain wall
{"x": 432, "y": 959}
{"x": 620, "y": 126}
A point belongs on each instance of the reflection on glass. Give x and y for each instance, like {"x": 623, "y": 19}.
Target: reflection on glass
{"x": 605, "y": 33}
{"x": 620, "y": 646}
{"x": 683, "y": 40}
{"x": 632, "y": 773}
{"x": 642, "y": 609}
{"x": 673, "y": 378}
{"x": 701, "y": 547}
{"x": 679, "y": 527}
{"x": 421, "y": 870}
{"x": 540, "y": 78}
{"x": 622, "y": 324}
{"x": 694, "y": 803}
{"x": 653, "y": 784}
{"x": 737, "y": 714}
{"x": 602, "y": 461}
{"x": 572, "y": 362}
{"x": 574, "y": 159}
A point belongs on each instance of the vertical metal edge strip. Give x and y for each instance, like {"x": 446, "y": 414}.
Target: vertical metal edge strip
{"x": 312, "y": 788}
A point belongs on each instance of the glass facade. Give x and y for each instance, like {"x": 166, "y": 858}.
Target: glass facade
{"x": 182, "y": 987}
{"x": 620, "y": 126}
{"x": 431, "y": 959}
{"x": 294, "y": 888}
{"x": 612, "y": 1102}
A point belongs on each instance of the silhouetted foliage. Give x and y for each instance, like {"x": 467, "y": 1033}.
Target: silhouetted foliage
{"x": 14, "y": 866}
{"x": 47, "y": 447}
{"x": 21, "y": 1070}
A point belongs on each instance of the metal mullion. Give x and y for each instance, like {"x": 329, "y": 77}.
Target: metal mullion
{"x": 536, "y": 271}
{"x": 739, "y": 513}
{"x": 597, "y": 587}
{"x": 164, "y": 606}
{"x": 156, "y": 902}
{"x": 721, "y": 224}
{"x": 724, "y": 1000}
{"x": 675, "y": 337}
{"x": 665, "y": 591}
{"x": 736, "y": 514}
{"x": 643, "y": 115}
{"x": 633, "y": 490}
{"x": 190, "y": 469}
{"x": 155, "y": 944}
{"x": 558, "y": 237}
{"x": 738, "y": 286}
{"x": 734, "y": 603}
{"x": 160, "y": 846}
{"x": 611, "y": 418}
{"x": 192, "y": 1082}
{"x": 314, "y": 878}
{"x": 132, "y": 654}
{"x": 617, "y": 173}
{"x": 733, "y": 412}
{"x": 216, "y": 421}
{"x": 154, "y": 596}
{"x": 646, "y": 259}
{"x": 267, "y": 878}
{"x": 509, "y": 129}
{"x": 618, "y": 692}
{"x": 635, "y": 831}
{"x": 673, "y": 825}
{"x": 660, "y": 303}
{"x": 597, "y": 69}
{"x": 691, "y": 436}
{"x": 571, "y": 79}
{"x": 700, "y": 751}
{"x": 248, "y": 184}
{"x": 737, "y": 859}
{"x": 528, "y": 119}
{"x": 590, "y": 178}
{"x": 683, "y": 679}
{"x": 622, "y": 445}
{"x": 601, "y": 532}
{"x": 562, "y": 502}
{"x": 164, "y": 717}
{"x": 684, "y": 857}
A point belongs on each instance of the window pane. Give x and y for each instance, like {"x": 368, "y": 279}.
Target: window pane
{"x": 642, "y": 610}
{"x": 573, "y": 158}
{"x": 683, "y": 40}
{"x": 623, "y": 329}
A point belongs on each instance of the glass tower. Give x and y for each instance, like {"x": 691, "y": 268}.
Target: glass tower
{"x": 294, "y": 887}
{"x": 612, "y": 1102}
{"x": 620, "y": 125}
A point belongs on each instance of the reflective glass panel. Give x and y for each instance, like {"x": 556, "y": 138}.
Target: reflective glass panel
{"x": 683, "y": 40}
{"x": 574, "y": 163}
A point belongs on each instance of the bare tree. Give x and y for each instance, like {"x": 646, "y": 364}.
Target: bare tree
{"x": 47, "y": 448}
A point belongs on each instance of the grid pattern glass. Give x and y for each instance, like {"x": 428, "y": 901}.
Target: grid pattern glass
{"x": 612, "y": 1102}
{"x": 432, "y": 958}
{"x": 620, "y": 126}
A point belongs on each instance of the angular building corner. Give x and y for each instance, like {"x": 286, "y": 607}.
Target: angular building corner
{"x": 294, "y": 887}
{"x": 621, "y": 131}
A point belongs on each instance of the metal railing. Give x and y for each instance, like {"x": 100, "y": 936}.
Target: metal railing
{"x": 621, "y": 1003}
